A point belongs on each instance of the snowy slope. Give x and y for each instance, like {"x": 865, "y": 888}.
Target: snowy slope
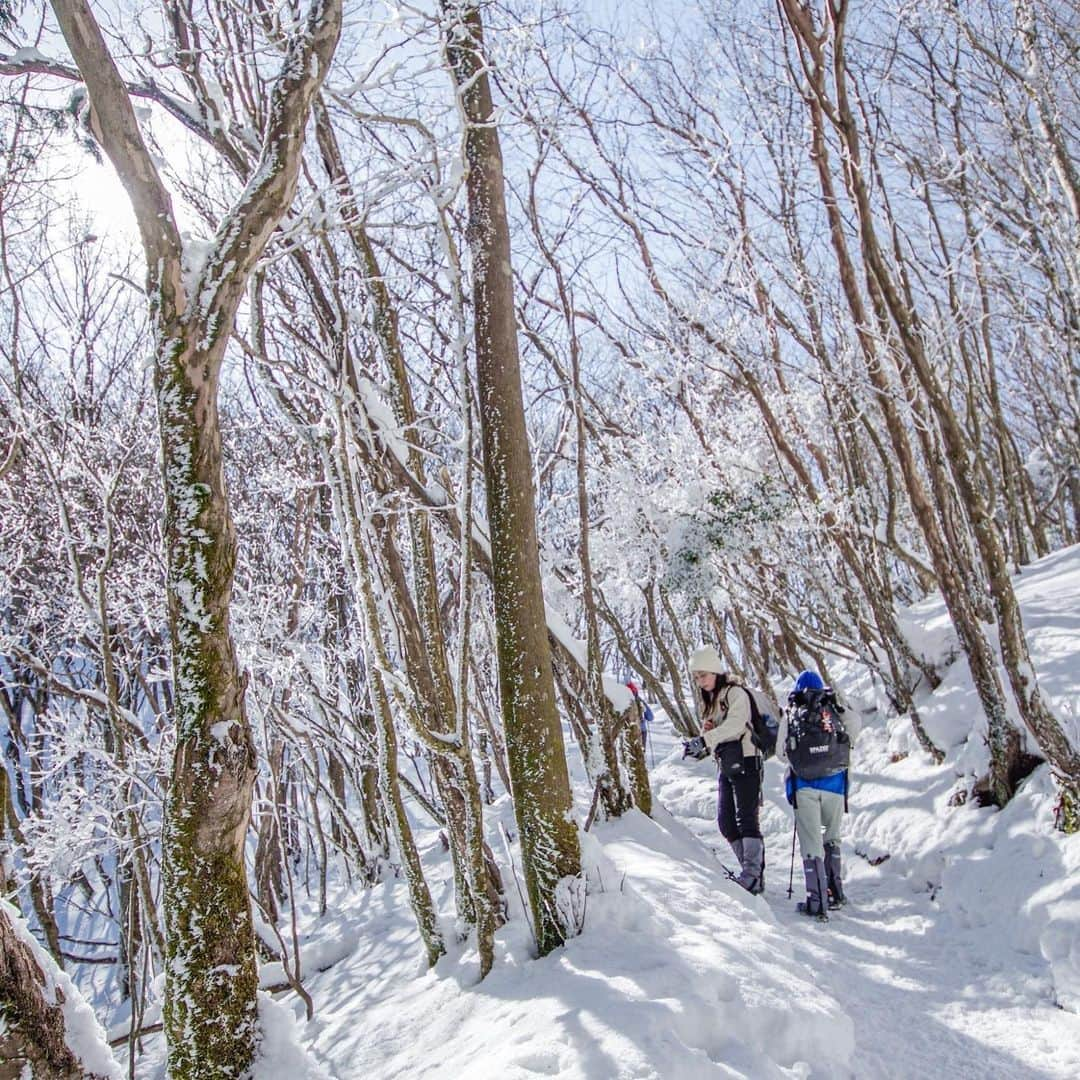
{"x": 674, "y": 975}
{"x": 958, "y": 956}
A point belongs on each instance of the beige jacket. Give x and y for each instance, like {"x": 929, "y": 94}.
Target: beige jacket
{"x": 731, "y": 715}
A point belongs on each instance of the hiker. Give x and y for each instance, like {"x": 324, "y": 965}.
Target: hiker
{"x": 645, "y": 714}
{"x": 726, "y": 716}
{"x": 814, "y": 741}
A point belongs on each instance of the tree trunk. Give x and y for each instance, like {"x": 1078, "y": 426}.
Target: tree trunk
{"x": 210, "y": 1010}
{"x": 7, "y": 881}
{"x": 542, "y": 797}
{"x": 33, "y": 1029}
{"x": 632, "y": 753}
{"x": 673, "y": 667}
{"x": 377, "y": 667}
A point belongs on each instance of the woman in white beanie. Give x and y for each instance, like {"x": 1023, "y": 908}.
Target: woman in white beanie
{"x": 725, "y": 712}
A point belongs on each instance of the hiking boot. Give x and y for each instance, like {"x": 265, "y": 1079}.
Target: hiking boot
{"x": 817, "y": 887}
{"x": 837, "y": 899}
{"x": 737, "y": 847}
{"x": 802, "y": 909}
{"x": 752, "y": 878}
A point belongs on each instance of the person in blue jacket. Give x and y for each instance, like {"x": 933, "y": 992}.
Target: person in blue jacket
{"x": 819, "y": 803}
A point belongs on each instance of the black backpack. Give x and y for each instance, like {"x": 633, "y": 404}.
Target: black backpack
{"x": 817, "y": 743}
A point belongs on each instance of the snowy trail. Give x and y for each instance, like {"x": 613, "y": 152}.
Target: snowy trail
{"x": 958, "y": 956}
{"x": 924, "y": 1002}
{"x": 937, "y": 968}
{"x": 931, "y": 995}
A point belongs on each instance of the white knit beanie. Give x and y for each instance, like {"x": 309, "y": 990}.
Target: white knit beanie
{"x": 707, "y": 659}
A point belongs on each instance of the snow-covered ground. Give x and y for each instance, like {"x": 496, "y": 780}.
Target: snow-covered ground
{"x": 958, "y": 955}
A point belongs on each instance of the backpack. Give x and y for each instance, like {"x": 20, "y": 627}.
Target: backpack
{"x": 817, "y": 743}
{"x": 764, "y": 725}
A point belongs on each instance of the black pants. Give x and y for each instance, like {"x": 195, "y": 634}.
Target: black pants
{"x": 739, "y": 799}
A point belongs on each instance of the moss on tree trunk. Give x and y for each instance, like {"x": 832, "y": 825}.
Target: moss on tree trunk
{"x": 541, "y": 786}
{"x": 211, "y": 977}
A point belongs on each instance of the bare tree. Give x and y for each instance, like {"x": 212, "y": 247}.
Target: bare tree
{"x": 534, "y": 742}
{"x": 210, "y": 1015}
{"x": 902, "y": 327}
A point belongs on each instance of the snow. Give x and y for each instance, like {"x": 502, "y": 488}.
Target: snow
{"x": 958, "y": 954}
{"x": 281, "y": 1057}
{"x": 27, "y": 54}
{"x": 678, "y": 973}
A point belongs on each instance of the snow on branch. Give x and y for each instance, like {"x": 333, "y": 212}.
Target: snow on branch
{"x": 56, "y": 1025}
{"x": 243, "y": 234}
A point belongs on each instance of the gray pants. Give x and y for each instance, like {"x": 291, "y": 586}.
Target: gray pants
{"x": 817, "y": 812}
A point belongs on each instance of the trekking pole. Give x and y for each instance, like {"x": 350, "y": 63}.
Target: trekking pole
{"x": 791, "y": 873}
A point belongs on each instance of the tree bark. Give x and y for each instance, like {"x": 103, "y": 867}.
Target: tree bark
{"x": 34, "y": 1030}
{"x": 210, "y": 1011}
{"x": 542, "y": 797}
